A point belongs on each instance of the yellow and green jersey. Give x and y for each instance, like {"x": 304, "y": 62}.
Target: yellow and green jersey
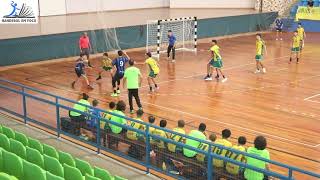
{"x": 260, "y": 47}
{"x": 301, "y": 32}
{"x": 107, "y": 62}
{"x": 176, "y": 138}
{"x": 203, "y": 146}
{"x": 216, "y": 52}
{"x": 153, "y": 65}
{"x": 221, "y": 152}
{"x": 132, "y": 134}
{"x": 296, "y": 41}
{"x": 105, "y": 116}
{"x": 232, "y": 168}
{"x": 156, "y": 141}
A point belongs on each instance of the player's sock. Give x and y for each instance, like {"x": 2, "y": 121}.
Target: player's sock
{"x": 114, "y": 91}
{"x": 223, "y": 76}
{"x": 99, "y": 77}
{"x": 150, "y": 87}
{"x": 290, "y": 59}
{"x": 297, "y": 60}
{"x": 73, "y": 83}
{"x": 217, "y": 76}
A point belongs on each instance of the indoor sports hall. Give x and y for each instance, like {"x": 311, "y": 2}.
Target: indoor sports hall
{"x": 159, "y": 89}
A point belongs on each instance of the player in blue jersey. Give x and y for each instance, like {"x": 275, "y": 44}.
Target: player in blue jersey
{"x": 80, "y": 71}
{"x": 119, "y": 65}
{"x": 279, "y": 27}
{"x": 171, "y": 46}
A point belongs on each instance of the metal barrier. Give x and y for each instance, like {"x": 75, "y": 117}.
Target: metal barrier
{"x": 139, "y": 150}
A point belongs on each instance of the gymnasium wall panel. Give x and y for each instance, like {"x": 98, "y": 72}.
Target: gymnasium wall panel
{"x": 212, "y": 3}
{"x": 83, "y": 6}
{"x": 52, "y": 7}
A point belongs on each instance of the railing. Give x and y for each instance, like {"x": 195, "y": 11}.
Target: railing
{"x": 32, "y": 105}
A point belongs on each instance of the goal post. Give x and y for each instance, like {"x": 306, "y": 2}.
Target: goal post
{"x": 184, "y": 29}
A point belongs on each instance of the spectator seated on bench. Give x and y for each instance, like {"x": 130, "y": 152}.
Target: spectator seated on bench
{"x": 77, "y": 118}
{"x": 203, "y": 146}
{"x": 180, "y": 129}
{"x": 136, "y": 150}
{"x": 117, "y": 130}
{"x": 232, "y": 168}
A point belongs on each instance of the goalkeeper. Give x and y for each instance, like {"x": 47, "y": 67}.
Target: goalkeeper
{"x": 171, "y": 46}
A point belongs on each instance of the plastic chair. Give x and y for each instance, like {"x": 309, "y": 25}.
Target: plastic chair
{"x": 88, "y": 177}
{"x": 102, "y": 174}
{"x": 35, "y": 144}
{"x": 8, "y": 132}
{"x": 4, "y": 142}
{"x": 18, "y": 148}
{"x": 21, "y": 138}
{"x": 50, "y": 176}
{"x": 50, "y": 151}
{"x": 4, "y": 176}
{"x": 72, "y": 173}
{"x": 84, "y": 167}
{"x": 12, "y": 164}
{"x": 53, "y": 166}
{"x": 119, "y": 178}
{"x": 1, "y": 160}
{"x": 35, "y": 157}
{"x": 32, "y": 171}
{"x": 66, "y": 158}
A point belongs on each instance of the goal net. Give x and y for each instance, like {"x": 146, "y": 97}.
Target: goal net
{"x": 184, "y": 29}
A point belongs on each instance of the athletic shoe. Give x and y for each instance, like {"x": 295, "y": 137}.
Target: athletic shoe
{"x": 140, "y": 108}
{"x": 276, "y": 39}
{"x": 118, "y": 91}
{"x": 207, "y": 76}
{"x": 224, "y": 80}
{"x": 264, "y": 70}
{"x": 257, "y": 71}
{"x": 114, "y": 95}
{"x": 208, "y": 79}
{"x": 131, "y": 111}
{"x": 72, "y": 84}
{"x": 173, "y": 60}
{"x": 281, "y": 39}
{"x": 90, "y": 87}
{"x": 98, "y": 78}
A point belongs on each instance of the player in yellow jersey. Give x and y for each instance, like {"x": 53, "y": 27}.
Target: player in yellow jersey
{"x": 153, "y": 70}
{"x": 133, "y": 135}
{"x": 215, "y": 62}
{"x": 296, "y": 44}
{"x": 302, "y": 35}
{"x": 106, "y": 65}
{"x": 226, "y": 133}
{"x": 232, "y": 168}
{"x": 261, "y": 50}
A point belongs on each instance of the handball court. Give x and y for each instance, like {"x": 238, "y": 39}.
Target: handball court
{"x": 282, "y": 104}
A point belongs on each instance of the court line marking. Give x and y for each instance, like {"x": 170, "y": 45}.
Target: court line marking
{"x": 310, "y": 97}
{"x": 233, "y": 125}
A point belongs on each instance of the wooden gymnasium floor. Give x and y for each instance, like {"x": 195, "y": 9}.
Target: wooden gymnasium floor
{"x": 282, "y": 104}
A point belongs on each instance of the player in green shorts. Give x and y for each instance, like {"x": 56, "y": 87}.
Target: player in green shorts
{"x": 261, "y": 49}
{"x": 153, "y": 71}
{"x": 215, "y": 62}
{"x": 296, "y": 43}
{"x": 106, "y": 65}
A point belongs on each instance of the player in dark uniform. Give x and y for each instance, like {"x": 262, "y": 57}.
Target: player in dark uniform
{"x": 119, "y": 64}
{"x": 279, "y": 27}
{"x": 80, "y": 71}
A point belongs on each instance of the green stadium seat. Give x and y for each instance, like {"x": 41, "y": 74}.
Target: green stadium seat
{"x": 8, "y": 132}
{"x": 18, "y": 148}
{"x": 102, "y": 174}
{"x": 119, "y": 178}
{"x": 35, "y": 144}
{"x": 50, "y": 151}
{"x": 4, "y": 176}
{"x": 50, "y": 176}
{"x": 88, "y": 177}
{"x": 66, "y": 158}
{"x": 4, "y": 142}
{"x": 21, "y": 138}
{"x": 84, "y": 167}
{"x": 35, "y": 157}
{"x": 12, "y": 164}
{"x": 32, "y": 171}
{"x": 53, "y": 165}
{"x": 1, "y": 160}
{"x": 72, "y": 173}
